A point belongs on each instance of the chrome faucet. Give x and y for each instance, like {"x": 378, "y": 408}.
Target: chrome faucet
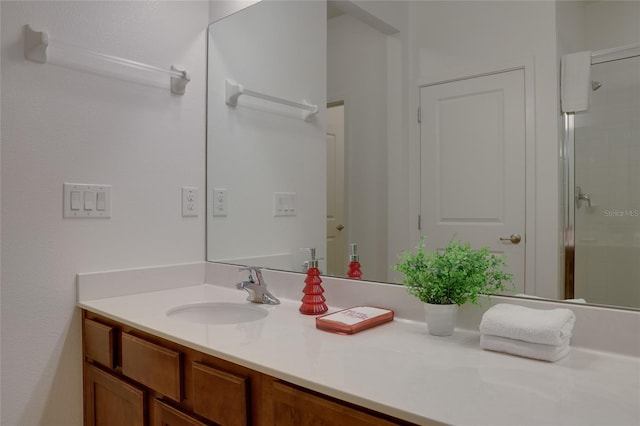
{"x": 257, "y": 288}
{"x": 581, "y": 196}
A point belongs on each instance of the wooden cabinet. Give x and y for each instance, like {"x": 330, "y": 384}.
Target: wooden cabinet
{"x": 295, "y": 406}
{"x": 220, "y": 396}
{"x": 133, "y": 378}
{"x": 152, "y": 365}
{"x": 99, "y": 343}
{"x": 110, "y": 401}
{"x": 166, "y": 415}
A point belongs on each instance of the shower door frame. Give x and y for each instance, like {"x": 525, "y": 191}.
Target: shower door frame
{"x": 567, "y": 156}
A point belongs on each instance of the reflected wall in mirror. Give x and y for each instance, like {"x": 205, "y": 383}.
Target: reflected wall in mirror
{"x": 375, "y": 61}
{"x": 266, "y": 166}
{"x": 345, "y": 50}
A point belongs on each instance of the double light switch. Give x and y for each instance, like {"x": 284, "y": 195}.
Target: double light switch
{"x": 87, "y": 201}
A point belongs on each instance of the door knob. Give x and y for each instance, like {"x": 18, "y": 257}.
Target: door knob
{"x": 340, "y": 227}
{"x": 513, "y": 238}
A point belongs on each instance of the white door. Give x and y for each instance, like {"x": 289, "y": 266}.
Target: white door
{"x": 336, "y": 226}
{"x": 472, "y": 140}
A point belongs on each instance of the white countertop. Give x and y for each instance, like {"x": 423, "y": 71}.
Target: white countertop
{"x": 398, "y": 368}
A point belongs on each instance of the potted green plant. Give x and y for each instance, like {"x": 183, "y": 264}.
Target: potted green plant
{"x": 447, "y": 279}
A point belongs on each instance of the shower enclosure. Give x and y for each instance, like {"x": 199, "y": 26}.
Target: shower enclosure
{"x": 602, "y": 165}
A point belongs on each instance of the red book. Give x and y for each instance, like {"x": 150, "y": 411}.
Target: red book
{"x": 353, "y": 320}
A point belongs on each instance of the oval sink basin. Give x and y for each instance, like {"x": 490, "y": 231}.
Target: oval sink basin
{"x": 217, "y": 313}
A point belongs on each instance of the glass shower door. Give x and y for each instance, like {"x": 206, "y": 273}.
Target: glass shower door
{"x": 607, "y": 187}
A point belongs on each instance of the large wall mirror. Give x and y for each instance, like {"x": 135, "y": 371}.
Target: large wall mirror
{"x": 283, "y": 177}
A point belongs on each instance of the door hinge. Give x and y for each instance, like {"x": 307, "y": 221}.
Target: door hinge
{"x": 419, "y": 115}
{"x": 419, "y": 222}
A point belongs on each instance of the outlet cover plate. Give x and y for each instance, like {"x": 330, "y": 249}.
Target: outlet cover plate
{"x": 220, "y": 202}
{"x": 189, "y": 201}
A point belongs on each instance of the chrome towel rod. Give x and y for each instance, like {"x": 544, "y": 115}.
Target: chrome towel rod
{"x": 35, "y": 49}
{"x": 234, "y": 90}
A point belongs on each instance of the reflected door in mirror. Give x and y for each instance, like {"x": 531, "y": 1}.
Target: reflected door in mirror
{"x": 473, "y": 165}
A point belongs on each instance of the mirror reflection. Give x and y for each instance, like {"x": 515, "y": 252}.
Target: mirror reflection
{"x": 434, "y": 118}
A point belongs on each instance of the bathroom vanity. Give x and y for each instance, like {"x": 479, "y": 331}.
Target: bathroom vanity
{"x": 277, "y": 369}
{"x": 131, "y": 376}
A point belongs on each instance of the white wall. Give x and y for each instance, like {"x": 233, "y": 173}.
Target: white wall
{"x": 612, "y": 24}
{"x": 220, "y": 9}
{"x": 357, "y": 75}
{"x": 65, "y": 125}
{"x": 571, "y": 26}
{"x": 460, "y": 35}
{"x": 258, "y": 147}
{"x": 391, "y": 14}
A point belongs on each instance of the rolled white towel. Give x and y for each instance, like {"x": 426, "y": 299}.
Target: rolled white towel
{"x": 549, "y": 327}
{"x": 530, "y": 350}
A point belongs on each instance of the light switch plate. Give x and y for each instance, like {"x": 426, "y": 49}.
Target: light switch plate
{"x": 85, "y": 201}
{"x": 189, "y": 201}
{"x": 285, "y": 204}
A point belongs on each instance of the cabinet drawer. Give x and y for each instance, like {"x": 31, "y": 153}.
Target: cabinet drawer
{"x": 109, "y": 401}
{"x": 153, "y": 366}
{"x": 99, "y": 342}
{"x": 294, "y": 407}
{"x": 166, "y": 415}
{"x": 220, "y": 396}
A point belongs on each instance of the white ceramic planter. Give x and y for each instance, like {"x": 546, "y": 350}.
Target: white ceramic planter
{"x": 441, "y": 319}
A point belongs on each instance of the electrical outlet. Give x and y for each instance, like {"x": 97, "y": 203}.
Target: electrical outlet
{"x": 189, "y": 201}
{"x": 220, "y": 202}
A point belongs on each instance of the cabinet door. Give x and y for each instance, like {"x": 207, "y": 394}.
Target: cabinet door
{"x": 166, "y": 415}
{"x": 295, "y": 407}
{"x": 109, "y": 401}
{"x": 220, "y": 396}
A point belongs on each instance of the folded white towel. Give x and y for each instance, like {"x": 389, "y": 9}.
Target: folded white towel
{"x": 530, "y": 350}
{"x": 575, "y": 81}
{"x": 549, "y": 327}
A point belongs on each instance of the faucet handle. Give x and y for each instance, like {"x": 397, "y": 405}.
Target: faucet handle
{"x": 244, "y": 284}
{"x": 252, "y": 269}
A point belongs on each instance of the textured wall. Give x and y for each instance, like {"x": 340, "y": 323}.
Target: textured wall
{"x": 63, "y": 124}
